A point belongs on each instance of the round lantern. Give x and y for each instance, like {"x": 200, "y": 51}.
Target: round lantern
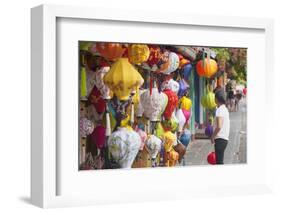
{"x": 123, "y": 146}
{"x": 96, "y": 99}
{"x": 98, "y": 81}
{"x": 209, "y": 130}
{"x": 153, "y": 104}
{"x": 172, "y": 103}
{"x": 154, "y": 145}
{"x": 181, "y": 119}
{"x": 169, "y": 140}
{"x": 211, "y": 158}
{"x": 186, "y": 71}
{"x": 138, "y": 53}
{"x": 173, "y": 63}
{"x": 123, "y": 78}
{"x": 159, "y": 130}
{"x": 171, "y": 124}
{"x": 186, "y": 114}
{"x": 183, "y": 88}
{"x": 154, "y": 55}
{"x": 110, "y": 51}
{"x": 185, "y": 137}
{"x": 98, "y": 136}
{"x": 170, "y": 84}
{"x": 207, "y": 68}
{"x": 86, "y": 127}
{"x": 185, "y": 103}
{"x": 208, "y": 100}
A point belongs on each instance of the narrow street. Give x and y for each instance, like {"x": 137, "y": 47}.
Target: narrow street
{"x": 236, "y": 150}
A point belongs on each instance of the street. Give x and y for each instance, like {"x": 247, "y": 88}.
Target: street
{"x": 236, "y": 150}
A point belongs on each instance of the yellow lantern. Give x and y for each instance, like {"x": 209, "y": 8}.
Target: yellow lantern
{"x": 123, "y": 78}
{"x": 185, "y": 103}
{"x": 138, "y": 53}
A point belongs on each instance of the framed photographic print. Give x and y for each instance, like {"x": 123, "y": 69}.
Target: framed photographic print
{"x": 129, "y": 106}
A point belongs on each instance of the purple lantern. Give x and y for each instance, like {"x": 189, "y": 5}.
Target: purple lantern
{"x": 183, "y": 87}
{"x": 209, "y": 130}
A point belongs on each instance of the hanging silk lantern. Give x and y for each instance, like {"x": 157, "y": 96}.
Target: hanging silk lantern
{"x": 183, "y": 88}
{"x": 207, "y": 68}
{"x": 112, "y": 120}
{"x": 153, "y": 104}
{"x": 185, "y": 137}
{"x": 98, "y": 81}
{"x": 143, "y": 137}
{"x": 187, "y": 69}
{"x": 154, "y": 145}
{"x": 154, "y": 55}
{"x": 84, "y": 45}
{"x": 172, "y": 103}
{"x": 171, "y": 124}
{"x": 209, "y": 130}
{"x": 163, "y": 64}
{"x": 173, "y": 63}
{"x": 96, "y": 99}
{"x": 183, "y": 61}
{"x": 86, "y": 127}
{"x": 110, "y": 51}
{"x": 170, "y": 84}
{"x": 169, "y": 140}
{"x": 138, "y": 53}
{"x": 181, "y": 119}
{"x": 123, "y": 145}
{"x": 98, "y": 136}
{"x": 159, "y": 131}
{"x": 185, "y": 103}
{"x": 208, "y": 100}
{"x": 122, "y": 79}
{"x": 186, "y": 114}
{"x": 83, "y": 83}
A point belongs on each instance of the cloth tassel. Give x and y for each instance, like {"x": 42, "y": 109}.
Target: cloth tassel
{"x": 108, "y": 128}
{"x": 132, "y": 114}
{"x": 83, "y": 84}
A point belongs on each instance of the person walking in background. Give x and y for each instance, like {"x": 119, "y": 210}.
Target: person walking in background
{"x": 220, "y": 136}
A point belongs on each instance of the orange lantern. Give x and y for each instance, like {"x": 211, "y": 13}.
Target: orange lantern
{"x": 110, "y": 51}
{"x": 207, "y": 68}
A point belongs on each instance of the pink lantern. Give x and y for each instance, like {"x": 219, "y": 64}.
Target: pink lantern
{"x": 98, "y": 136}
{"x": 186, "y": 113}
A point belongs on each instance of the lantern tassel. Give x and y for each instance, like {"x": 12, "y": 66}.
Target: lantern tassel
{"x": 108, "y": 129}
{"x": 132, "y": 114}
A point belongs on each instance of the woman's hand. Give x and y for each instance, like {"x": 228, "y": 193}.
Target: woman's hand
{"x": 212, "y": 140}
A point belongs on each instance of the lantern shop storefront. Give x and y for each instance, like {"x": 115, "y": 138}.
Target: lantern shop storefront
{"x": 142, "y": 104}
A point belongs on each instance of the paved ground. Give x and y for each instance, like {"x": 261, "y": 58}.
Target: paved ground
{"x": 236, "y": 150}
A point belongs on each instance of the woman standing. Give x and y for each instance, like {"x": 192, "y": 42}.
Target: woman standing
{"x": 222, "y": 124}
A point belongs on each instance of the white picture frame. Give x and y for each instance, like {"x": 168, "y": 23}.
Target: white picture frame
{"x": 44, "y": 148}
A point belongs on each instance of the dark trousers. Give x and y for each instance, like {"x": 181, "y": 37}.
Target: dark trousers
{"x": 220, "y": 145}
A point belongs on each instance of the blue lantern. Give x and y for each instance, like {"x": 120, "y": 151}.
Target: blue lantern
{"x": 187, "y": 71}
{"x": 185, "y": 137}
{"x": 183, "y": 87}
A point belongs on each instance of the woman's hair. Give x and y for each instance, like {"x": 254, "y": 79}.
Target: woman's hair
{"x": 220, "y": 96}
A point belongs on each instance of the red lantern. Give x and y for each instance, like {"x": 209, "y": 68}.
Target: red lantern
{"x": 206, "y": 69}
{"x": 98, "y": 136}
{"x": 110, "y": 51}
{"x": 211, "y": 158}
{"x": 96, "y": 99}
{"x": 172, "y": 103}
{"x": 154, "y": 55}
